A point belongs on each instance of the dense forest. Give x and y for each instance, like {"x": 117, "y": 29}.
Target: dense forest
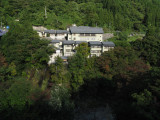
{"x": 118, "y": 15}
{"x": 126, "y": 78}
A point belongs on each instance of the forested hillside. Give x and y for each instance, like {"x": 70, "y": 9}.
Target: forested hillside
{"x": 125, "y": 79}
{"x": 111, "y": 14}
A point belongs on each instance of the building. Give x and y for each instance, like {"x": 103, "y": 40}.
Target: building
{"x": 106, "y": 46}
{"x": 68, "y": 48}
{"x": 85, "y": 33}
{"x": 49, "y": 33}
{"x": 54, "y": 34}
{"x": 75, "y": 33}
{"x": 61, "y": 34}
{"x": 65, "y": 41}
{"x": 95, "y": 48}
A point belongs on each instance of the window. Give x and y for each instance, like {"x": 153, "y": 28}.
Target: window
{"x": 93, "y": 34}
{"x": 87, "y": 34}
{"x": 95, "y": 51}
{"x": 68, "y": 50}
{"x": 93, "y": 55}
{"x": 68, "y": 45}
{"x": 93, "y": 39}
{"x": 105, "y": 47}
{"x": 95, "y": 46}
{"x": 82, "y": 34}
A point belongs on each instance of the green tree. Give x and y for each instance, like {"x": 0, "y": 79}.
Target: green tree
{"x": 59, "y": 73}
{"x": 77, "y": 65}
{"x": 22, "y": 46}
{"x": 149, "y": 46}
{"x": 61, "y": 103}
{"x": 18, "y": 95}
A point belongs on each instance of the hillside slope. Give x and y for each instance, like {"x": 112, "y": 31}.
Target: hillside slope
{"x": 111, "y": 14}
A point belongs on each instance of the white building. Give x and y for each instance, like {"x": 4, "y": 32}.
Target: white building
{"x": 106, "y": 46}
{"x": 68, "y": 48}
{"x": 95, "y": 48}
{"x": 84, "y": 33}
{"x": 54, "y": 34}
{"x": 65, "y": 41}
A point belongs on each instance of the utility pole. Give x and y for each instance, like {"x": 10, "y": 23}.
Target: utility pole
{"x": 45, "y": 12}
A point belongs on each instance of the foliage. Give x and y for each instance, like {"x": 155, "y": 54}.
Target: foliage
{"x": 143, "y": 99}
{"x": 77, "y": 65}
{"x": 126, "y": 77}
{"x": 59, "y": 73}
{"x": 112, "y": 14}
{"x": 22, "y": 46}
{"x": 122, "y": 36}
{"x": 17, "y": 96}
{"x": 60, "y": 98}
{"x": 149, "y": 46}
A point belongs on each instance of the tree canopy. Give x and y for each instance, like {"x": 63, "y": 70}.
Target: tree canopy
{"x": 112, "y": 14}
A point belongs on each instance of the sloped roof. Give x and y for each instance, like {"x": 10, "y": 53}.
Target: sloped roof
{"x": 68, "y": 42}
{"x": 55, "y": 41}
{"x": 61, "y": 31}
{"x": 95, "y": 43}
{"x": 108, "y": 44}
{"x": 86, "y": 29}
{"x": 55, "y": 31}
{"x": 50, "y": 31}
{"x": 79, "y": 42}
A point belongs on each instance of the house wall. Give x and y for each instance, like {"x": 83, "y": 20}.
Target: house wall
{"x": 40, "y": 34}
{"x": 57, "y": 45}
{"x": 69, "y": 36}
{"x": 61, "y": 36}
{"x": 53, "y": 56}
{"x": 45, "y": 34}
{"x": 86, "y": 37}
{"x": 68, "y": 50}
{"x": 53, "y": 36}
{"x": 95, "y": 50}
{"x": 57, "y": 36}
{"x": 104, "y": 49}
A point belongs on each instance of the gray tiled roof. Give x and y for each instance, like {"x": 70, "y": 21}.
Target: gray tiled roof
{"x": 61, "y": 31}
{"x": 108, "y": 44}
{"x": 50, "y": 31}
{"x": 79, "y": 42}
{"x": 70, "y": 42}
{"x": 55, "y": 41}
{"x": 55, "y": 31}
{"x": 95, "y": 43}
{"x": 86, "y": 29}
{"x": 39, "y": 30}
